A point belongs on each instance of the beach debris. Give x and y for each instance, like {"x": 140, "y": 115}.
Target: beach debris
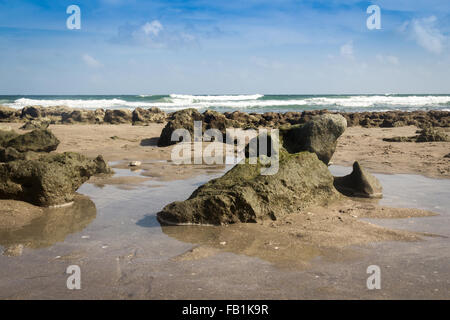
{"x": 244, "y": 195}
{"x": 359, "y": 183}
{"x": 52, "y": 179}
{"x": 135, "y": 163}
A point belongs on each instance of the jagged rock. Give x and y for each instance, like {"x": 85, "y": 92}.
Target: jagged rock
{"x": 359, "y": 183}
{"x": 36, "y": 140}
{"x": 244, "y": 195}
{"x": 118, "y": 116}
{"x": 182, "y": 119}
{"x": 51, "y": 179}
{"x": 40, "y": 123}
{"x": 318, "y": 135}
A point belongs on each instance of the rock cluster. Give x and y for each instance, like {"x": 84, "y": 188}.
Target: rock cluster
{"x": 243, "y": 194}
{"x": 141, "y": 116}
{"x": 29, "y": 173}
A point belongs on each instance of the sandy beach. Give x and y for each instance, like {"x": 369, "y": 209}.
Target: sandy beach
{"x": 337, "y": 233}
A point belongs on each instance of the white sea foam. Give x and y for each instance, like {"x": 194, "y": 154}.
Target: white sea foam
{"x": 177, "y": 101}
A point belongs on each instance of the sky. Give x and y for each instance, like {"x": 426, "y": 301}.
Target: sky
{"x": 224, "y": 47}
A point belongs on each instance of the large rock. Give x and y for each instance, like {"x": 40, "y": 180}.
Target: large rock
{"x": 36, "y": 140}
{"x": 182, "y": 119}
{"x": 244, "y": 195}
{"x": 359, "y": 183}
{"x": 318, "y": 135}
{"x": 51, "y": 179}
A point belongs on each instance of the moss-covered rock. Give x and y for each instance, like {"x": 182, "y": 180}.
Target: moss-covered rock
{"x": 52, "y": 179}
{"x": 182, "y": 119}
{"x": 244, "y": 195}
{"x": 37, "y": 140}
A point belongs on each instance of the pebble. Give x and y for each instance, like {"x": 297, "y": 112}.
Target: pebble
{"x": 135, "y": 163}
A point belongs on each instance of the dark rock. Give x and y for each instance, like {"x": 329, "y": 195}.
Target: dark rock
{"x": 359, "y": 183}
{"x": 318, "y": 135}
{"x": 6, "y": 135}
{"x": 447, "y": 155}
{"x": 36, "y": 140}
{"x": 51, "y": 179}
{"x": 31, "y": 112}
{"x": 182, "y": 119}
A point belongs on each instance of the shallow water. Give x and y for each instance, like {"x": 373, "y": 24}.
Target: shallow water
{"x": 124, "y": 252}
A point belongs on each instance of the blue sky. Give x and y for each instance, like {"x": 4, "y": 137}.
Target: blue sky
{"x": 214, "y": 47}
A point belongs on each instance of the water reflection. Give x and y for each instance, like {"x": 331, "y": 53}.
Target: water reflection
{"x": 53, "y": 226}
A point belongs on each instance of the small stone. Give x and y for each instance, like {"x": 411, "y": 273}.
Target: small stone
{"x": 223, "y": 243}
{"x": 135, "y": 163}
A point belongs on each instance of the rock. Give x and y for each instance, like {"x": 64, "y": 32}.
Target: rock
{"x": 6, "y": 135}
{"x": 31, "y": 112}
{"x": 134, "y": 163}
{"x": 359, "y": 183}
{"x": 50, "y": 180}
{"x": 318, "y": 135}
{"x": 118, "y": 116}
{"x": 15, "y": 250}
{"x": 244, "y": 195}
{"x": 10, "y": 154}
{"x": 36, "y": 140}
{"x": 142, "y": 116}
{"x": 430, "y": 134}
{"x": 41, "y": 123}
{"x": 182, "y": 119}
{"x": 447, "y": 155}
{"x": 427, "y": 134}
{"x": 8, "y": 114}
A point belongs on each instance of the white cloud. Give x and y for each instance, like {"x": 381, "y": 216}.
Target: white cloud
{"x": 425, "y": 33}
{"x": 387, "y": 59}
{"x": 90, "y": 61}
{"x": 347, "y": 50}
{"x": 152, "y": 28}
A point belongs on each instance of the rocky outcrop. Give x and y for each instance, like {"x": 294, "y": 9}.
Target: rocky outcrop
{"x": 52, "y": 179}
{"x": 183, "y": 119}
{"x": 359, "y": 183}
{"x": 142, "y": 116}
{"x": 244, "y": 195}
{"x": 319, "y": 135}
{"x": 36, "y": 140}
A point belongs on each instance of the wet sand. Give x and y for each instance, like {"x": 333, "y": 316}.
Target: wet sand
{"x": 123, "y": 252}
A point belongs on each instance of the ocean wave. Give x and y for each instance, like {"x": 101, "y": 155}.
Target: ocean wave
{"x": 254, "y": 102}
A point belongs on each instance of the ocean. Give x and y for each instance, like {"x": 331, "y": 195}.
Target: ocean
{"x": 258, "y": 103}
